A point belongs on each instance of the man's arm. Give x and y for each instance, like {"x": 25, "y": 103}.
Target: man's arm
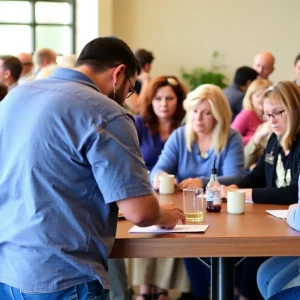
{"x": 146, "y": 211}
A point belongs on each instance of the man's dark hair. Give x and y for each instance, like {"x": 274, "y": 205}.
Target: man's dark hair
{"x": 3, "y": 90}
{"x": 13, "y": 64}
{"x": 243, "y": 75}
{"x": 296, "y": 60}
{"x": 108, "y": 52}
{"x": 144, "y": 57}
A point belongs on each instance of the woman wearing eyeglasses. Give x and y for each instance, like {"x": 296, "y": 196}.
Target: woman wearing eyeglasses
{"x": 274, "y": 180}
{"x": 161, "y": 113}
{"x": 275, "y": 177}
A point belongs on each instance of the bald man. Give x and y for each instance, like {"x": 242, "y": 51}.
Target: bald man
{"x": 27, "y": 71}
{"x": 43, "y": 57}
{"x": 263, "y": 64}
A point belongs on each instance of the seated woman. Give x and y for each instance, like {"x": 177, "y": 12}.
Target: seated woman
{"x": 190, "y": 151}
{"x": 274, "y": 180}
{"x": 275, "y": 177}
{"x": 161, "y": 113}
{"x": 247, "y": 121}
{"x": 282, "y": 273}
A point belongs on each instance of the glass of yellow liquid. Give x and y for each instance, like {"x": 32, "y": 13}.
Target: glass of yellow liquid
{"x": 193, "y": 204}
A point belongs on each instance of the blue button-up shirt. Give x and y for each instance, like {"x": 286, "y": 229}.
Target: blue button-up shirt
{"x": 67, "y": 153}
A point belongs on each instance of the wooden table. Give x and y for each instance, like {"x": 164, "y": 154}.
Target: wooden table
{"x": 254, "y": 233}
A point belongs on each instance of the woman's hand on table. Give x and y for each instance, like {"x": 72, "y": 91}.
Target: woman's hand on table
{"x": 226, "y": 188}
{"x": 170, "y": 215}
{"x": 248, "y": 194}
{"x": 190, "y": 183}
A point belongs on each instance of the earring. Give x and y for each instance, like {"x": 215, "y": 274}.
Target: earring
{"x": 114, "y": 92}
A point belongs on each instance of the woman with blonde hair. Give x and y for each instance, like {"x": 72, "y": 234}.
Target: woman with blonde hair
{"x": 247, "y": 121}
{"x": 274, "y": 180}
{"x": 275, "y": 177}
{"x": 191, "y": 150}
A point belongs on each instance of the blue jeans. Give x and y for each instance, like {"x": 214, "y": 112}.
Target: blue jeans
{"x": 87, "y": 291}
{"x": 199, "y": 276}
{"x": 275, "y": 273}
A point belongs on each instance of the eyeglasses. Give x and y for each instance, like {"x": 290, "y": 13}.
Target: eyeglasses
{"x": 131, "y": 90}
{"x": 27, "y": 64}
{"x": 275, "y": 115}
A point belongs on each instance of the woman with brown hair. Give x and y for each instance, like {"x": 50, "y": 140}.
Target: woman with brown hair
{"x": 162, "y": 112}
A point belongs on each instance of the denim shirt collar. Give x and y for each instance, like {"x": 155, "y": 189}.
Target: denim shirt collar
{"x": 73, "y": 75}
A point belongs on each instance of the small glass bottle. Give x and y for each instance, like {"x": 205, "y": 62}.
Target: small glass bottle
{"x": 213, "y": 192}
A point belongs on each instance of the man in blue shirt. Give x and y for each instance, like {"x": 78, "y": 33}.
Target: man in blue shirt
{"x": 69, "y": 158}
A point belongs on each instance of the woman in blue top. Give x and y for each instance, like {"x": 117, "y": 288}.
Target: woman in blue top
{"x": 190, "y": 151}
{"x": 161, "y": 113}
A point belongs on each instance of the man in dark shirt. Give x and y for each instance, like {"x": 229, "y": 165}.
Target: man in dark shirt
{"x": 236, "y": 91}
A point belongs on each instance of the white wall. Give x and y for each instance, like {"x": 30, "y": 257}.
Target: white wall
{"x": 184, "y": 33}
{"x": 86, "y": 23}
{"x": 94, "y": 18}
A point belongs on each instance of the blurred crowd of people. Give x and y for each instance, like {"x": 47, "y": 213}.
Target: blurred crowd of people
{"x": 250, "y": 130}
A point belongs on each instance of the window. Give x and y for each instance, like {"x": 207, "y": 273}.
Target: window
{"x": 26, "y": 25}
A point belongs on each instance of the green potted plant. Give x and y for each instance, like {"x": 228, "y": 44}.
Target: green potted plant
{"x": 199, "y": 75}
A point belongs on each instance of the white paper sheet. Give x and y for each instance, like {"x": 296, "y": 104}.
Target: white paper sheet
{"x": 281, "y": 214}
{"x": 176, "y": 229}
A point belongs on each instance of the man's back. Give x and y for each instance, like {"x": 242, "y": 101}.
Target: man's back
{"x": 58, "y": 141}
{"x": 235, "y": 97}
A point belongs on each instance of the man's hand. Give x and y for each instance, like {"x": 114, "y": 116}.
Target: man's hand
{"x": 170, "y": 215}
{"x": 190, "y": 183}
